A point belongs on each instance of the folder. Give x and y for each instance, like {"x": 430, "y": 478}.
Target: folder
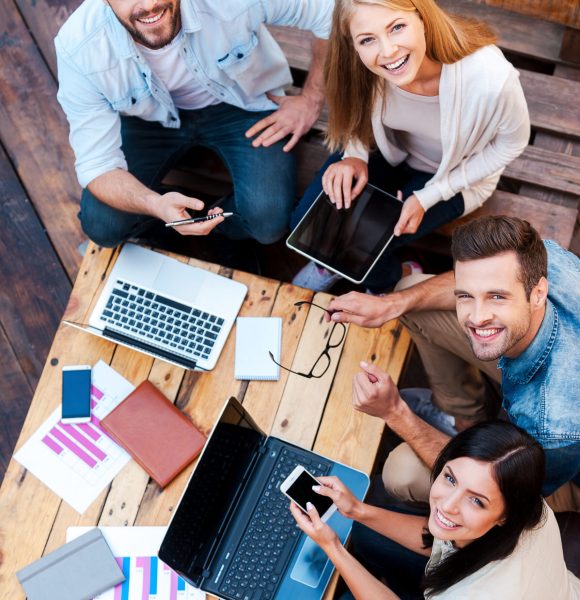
{"x": 154, "y": 432}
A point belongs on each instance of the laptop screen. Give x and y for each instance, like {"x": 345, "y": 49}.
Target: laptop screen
{"x": 219, "y": 475}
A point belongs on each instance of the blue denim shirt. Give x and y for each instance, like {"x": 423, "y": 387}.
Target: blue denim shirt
{"x": 226, "y": 46}
{"x": 541, "y": 387}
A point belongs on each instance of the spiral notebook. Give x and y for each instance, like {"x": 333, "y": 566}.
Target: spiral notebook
{"x": 255, "y": 338}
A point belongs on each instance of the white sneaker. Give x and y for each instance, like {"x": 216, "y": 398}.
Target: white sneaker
{"x": 315, "y": 278}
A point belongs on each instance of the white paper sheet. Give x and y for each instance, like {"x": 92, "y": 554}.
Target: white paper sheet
{"x": 146, "y": 577}
{"x": 78, "y": 461}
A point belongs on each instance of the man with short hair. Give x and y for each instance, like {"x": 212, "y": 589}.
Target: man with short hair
{"x": 516, "y": 300}
{"x": 142, "y": 81}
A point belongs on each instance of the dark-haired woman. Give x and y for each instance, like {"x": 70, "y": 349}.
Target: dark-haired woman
{"x": 489, "y": 534}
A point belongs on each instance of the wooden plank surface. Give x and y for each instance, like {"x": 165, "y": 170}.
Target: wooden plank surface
{"x": 547, "y": 168}
{"x": 521, "y": 34}
{"x": 553, "y": 222}
{"x": 34, "y": 133}
{"x": 14, "y": 400}
{"x": 132, "y": 498}
{"x": 553, "y": 103}
{"x": 33, "y": 293}
{"x": 35, "y": 287}
{"x": 44, "y": 18}
{"x": 560, "y": 11}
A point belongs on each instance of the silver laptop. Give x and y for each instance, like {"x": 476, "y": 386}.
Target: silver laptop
{"x": 165, "y": 308}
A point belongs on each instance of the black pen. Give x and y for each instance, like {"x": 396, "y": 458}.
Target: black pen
{"x": 198, "y": 219}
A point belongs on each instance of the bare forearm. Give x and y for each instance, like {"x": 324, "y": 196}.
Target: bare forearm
{"x": 426, "y": 441}
{"x": 314, "y": 85}
{"x": 360, "y": 582}
{"x": 435, "y": 293}
{"x": 404, "y": 529}
{"x": 125, "y": 192}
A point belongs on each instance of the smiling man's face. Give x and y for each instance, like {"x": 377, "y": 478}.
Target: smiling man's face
{"x": 152, "y": 24}
{"x": 492, "y": 307}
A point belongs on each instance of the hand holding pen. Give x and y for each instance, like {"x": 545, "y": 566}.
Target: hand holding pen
{"x": 198, "y": 219}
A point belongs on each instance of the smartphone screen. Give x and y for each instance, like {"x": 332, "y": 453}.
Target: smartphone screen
{"x": 76, "y": 392}
{"x": 301, "y": 492}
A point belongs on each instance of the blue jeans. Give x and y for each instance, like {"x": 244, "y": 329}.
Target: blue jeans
{"x": 387, "y": 271}
{"x": 263, "y": 178}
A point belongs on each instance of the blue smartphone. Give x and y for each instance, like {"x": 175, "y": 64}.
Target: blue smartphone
{"x": 76, "y": 394}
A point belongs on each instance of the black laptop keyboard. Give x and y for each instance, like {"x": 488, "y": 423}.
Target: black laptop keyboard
{"x": 271, "y": 535}
{"x": 164, "y": 322}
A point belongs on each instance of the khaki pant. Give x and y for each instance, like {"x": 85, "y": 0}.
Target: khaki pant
{"x": 459, "y": 389}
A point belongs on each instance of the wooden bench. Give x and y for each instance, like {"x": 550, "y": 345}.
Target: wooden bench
{"x": 549, "y": 169}
{"x": 314, "y": 413}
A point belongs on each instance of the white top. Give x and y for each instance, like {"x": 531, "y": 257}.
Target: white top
{"x": 484, "y": 126}
{"x": 416, "y": 123}
{"x": 169, "y": 66}
{"x": 534, "y": 571}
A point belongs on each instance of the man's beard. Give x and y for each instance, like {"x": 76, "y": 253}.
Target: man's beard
{"x": 143, "y": 39}
{"x": 495, "y": 351}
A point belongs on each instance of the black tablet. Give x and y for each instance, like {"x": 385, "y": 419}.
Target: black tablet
{"x": 348, "y": 242}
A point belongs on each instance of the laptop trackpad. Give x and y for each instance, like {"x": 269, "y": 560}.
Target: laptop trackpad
{"x": 310, "y": 564}
{"x": 179, "y": 280}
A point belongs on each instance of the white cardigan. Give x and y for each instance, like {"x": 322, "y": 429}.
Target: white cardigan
{"x": 484, "y": 126}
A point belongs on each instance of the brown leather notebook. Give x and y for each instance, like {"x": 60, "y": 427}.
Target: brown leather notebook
{"x": 154, "y": 432}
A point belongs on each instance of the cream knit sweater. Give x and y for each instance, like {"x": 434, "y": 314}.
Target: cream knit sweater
{"x": 484, "y": 126}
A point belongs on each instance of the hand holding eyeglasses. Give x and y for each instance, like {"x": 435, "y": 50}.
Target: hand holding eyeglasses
{"x": 322, "y": 363}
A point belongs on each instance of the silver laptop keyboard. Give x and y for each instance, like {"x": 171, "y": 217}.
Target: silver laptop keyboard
{"x": 146, "y": 315}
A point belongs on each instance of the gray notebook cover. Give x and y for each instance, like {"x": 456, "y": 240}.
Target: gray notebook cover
{"x": 79, "y": 570}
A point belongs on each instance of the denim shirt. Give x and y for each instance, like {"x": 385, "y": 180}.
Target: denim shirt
{"x": 541, "y": 387}
{"x": 226, "y": 46}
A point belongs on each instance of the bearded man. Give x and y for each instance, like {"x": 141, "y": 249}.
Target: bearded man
{"x": 143, "y": 81}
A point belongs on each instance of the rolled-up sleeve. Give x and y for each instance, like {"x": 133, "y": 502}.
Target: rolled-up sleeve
{"x": 95, "y": 128}
{"x": 313, "y": 15}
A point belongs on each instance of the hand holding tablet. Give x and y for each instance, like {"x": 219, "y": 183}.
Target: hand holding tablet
{"x": 348, "y": 241}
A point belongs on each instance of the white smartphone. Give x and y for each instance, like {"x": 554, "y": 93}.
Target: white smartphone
{"x": 76, "y": 394}
{"x": 298, "y": 487}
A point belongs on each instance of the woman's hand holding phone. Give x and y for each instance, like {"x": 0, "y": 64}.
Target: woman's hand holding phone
{"x": 347, "y": 504}
{"x": 314, "y": 527}
{"x": 337, "y": 181}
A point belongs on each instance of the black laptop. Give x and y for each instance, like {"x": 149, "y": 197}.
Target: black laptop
{"x": 232, "y": 533}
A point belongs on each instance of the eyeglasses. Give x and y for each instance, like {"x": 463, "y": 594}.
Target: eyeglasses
{"x": 322, "y": 363}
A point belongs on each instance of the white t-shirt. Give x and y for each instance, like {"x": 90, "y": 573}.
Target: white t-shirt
{"x": 416, "y": 122}
{"x": 168, "y": 65}
{"x": 534, "y": 571}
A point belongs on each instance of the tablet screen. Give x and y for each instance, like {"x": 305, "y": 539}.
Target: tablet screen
{"x": 348, "y": 241}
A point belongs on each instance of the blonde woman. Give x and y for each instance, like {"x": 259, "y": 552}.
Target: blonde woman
{"x": 423, "y": 104}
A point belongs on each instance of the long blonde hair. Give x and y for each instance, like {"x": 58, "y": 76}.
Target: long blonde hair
{"x": 352, "y": 89}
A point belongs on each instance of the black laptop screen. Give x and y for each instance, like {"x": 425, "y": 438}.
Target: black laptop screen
{"x": 211, "y": 492}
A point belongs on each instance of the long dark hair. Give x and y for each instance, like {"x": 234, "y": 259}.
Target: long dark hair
{"x": 518, "y": 468}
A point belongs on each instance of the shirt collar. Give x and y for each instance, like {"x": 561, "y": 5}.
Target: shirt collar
{"x": 522, "y": 368}
{"x": 124, "y": 42}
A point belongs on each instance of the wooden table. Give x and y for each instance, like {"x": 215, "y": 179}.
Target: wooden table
{"x": 314, "y": 413}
